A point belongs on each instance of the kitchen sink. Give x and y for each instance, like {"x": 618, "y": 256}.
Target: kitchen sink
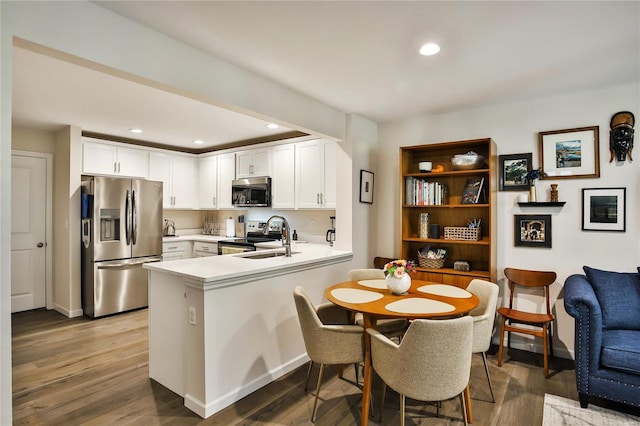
{"x": 265, "y": 255}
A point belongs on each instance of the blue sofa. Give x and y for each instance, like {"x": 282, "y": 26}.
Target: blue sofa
{"x": 606, "y": 308}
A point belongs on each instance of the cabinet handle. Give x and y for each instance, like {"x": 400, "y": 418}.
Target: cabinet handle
{"x": 317, "y": 198}
{"x": 115, "y": 167}
{"x": 321, "y": 198}
{"x": 214, "y": 201}
{"x": 118, "y": 167}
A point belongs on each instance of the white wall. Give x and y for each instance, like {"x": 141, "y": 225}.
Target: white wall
{"x": 515, "y": 128}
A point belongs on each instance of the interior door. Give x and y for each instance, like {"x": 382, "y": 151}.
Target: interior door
{"x": 28, "y": 233}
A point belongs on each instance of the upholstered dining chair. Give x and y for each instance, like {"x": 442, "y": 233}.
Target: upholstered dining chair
{"x": 391, "y": 327}
{"x": 432, "y": 363}
{"x": 521, "y": 279}
{"x": 328, "y": 337}
{"x": 483, "y": 319}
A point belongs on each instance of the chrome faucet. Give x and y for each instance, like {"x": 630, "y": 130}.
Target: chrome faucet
{"x": 286, "y": 237}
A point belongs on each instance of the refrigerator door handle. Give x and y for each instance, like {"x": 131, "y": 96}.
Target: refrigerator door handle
{"x": 134, "y": 218}
{"x": 127, "y": 215}
{"x": 112, "y": 265}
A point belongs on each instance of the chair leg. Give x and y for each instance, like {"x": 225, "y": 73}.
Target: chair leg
{"x": 550, "y": 340}
{"x": 401, "y": 410}
{"x": 463, "y": 405}
{"x": 486, "y": 370}
{"x": 384, "y": 393}
{"x": 315, "y": 402}
{"x": 356, "y": 367}
{"x": 306, "y": 383}
{"x": 501, "y": 343}
{"x": 545, "y": 348}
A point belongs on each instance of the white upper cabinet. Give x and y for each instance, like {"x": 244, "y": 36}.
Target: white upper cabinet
{"x": 208, "y": 179}
{"x": 113, "y": 160}
{"x": 283, "y": 189}
{"x": 315, "y": 179}
{"x": 226, "y": 174}
{"x": 252, "y": 163}
{"x": 178, "y": 173}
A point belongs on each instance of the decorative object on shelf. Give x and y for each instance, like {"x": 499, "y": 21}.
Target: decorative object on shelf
{"x": 554, "y": 192}
{"x": 469, "y": 161}
{"x": 570, "y": 154}
{"x": 531, "y": 177}
{"x": 532, "y": 230}
{"x": 513, "y": 171}
{"x": 366, "y": 187}
{"x": 425, "y": 166}
{"x": 473, "y": 190}
{"x": 467, "y": 233}
{"x": 523, "y": 198}
{"x": 461, "y": 265}
{"x": 398, "y": 280}
{"x": 604, "y": 209}
{"x": 431, "y": 258}
{"x": 424, "y": 225}
{"x": 621, "y": 135}
{"x": 434, "y": 231}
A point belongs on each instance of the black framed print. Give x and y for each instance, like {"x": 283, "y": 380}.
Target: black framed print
{"x": 532, "y": 230}
{"x": 604, "y": 209}
{"x": 366, "y": 187}
{"x": 513, "y": 172}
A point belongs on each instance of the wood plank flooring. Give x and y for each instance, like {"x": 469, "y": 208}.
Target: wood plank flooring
{"x": 95, "y": 372}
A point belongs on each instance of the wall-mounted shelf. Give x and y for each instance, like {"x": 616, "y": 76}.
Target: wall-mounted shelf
{"x": 543, "y": 204}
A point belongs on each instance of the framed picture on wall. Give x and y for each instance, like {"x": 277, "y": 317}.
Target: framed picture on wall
{"x": 532, "y": 230}
{"x": 569, "y": 154}
{"x": 366, "y": 187}
{"x": 513, "y": 171}
{"x": 604, "y": 209}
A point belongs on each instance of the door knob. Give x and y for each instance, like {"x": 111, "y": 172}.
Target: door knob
{"x": 40, "y": 244}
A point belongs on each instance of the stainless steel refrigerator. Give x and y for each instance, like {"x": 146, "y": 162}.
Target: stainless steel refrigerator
{"x": 121, "y": 230}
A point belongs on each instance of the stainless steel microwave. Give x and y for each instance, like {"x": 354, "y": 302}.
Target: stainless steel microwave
{"x": 251, "y": 192}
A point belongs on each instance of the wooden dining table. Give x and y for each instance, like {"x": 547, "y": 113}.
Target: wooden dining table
{"x": 423, "y": 300}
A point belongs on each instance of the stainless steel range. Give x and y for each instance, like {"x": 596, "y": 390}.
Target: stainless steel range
{"x": 254, "y": 234}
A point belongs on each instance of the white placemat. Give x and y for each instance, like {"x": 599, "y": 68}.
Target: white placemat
{"x": 445, "y": 290}
{"x": 351, "y": 295}
{"x": 415, "y": 305}
{"x": 379, "y": 284}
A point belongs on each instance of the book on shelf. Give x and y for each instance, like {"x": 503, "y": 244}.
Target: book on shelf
{"x": 421, "y": 192}
{"x": 473, "y": 191}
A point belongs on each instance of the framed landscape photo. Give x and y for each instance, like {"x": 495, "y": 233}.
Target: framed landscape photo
{"x": 532, "y": 230}
{"x": 513, "y": 171}
{"x": 366, "y": 187}
{"x": 569, "y": 154}
{"x": 604, "y": 209}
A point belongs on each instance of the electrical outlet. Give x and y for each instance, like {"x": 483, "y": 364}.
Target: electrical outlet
{"x": 192, "y": 315}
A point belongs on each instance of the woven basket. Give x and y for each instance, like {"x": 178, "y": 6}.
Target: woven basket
{"x": 425, "y": 262}
{"x": 461, "y": 233}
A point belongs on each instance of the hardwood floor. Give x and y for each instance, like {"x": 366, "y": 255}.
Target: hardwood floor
{"x": 95, "y": 372}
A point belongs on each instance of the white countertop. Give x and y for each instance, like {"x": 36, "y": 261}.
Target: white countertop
{"x": 195, "y": 237}
{"x": 233, "y": 269}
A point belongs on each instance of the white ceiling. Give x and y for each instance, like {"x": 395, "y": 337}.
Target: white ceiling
{"x": 357, "y": 56}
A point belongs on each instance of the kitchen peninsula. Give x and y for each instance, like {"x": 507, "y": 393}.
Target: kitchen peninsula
{"x": 222, "y": 327}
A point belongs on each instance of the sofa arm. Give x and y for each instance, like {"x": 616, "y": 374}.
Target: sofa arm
{"x": 581, "y": 303}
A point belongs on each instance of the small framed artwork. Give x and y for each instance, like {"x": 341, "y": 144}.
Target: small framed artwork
{"x": 604, "y": 209}
{"x": 513, "y": 172}
{"x": 569, "y": 154}
{"x": 366, "y": 187}
{"x": 532, "y": 230}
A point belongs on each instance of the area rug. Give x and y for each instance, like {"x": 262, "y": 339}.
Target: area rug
{"x": 560, "y": 411}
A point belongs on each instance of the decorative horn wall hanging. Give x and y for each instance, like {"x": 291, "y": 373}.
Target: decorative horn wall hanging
{"x": 621, "y": 135}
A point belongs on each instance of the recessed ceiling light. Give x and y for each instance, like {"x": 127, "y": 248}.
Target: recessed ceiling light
{"x": 429, "y": 49}
{"x": 272, "y": 126}
{"x": 135, "y": 130}
{"x": 198, "y": 142}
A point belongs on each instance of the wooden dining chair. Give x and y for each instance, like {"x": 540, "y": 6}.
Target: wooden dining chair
{"x": 541, "y": 322}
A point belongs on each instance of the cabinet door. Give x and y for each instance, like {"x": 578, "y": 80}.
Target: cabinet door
{"x": 208, "y": 182}
{"x": 226, "y": 174}
{"x": 253, "y": 162}
{"x": 99, "y": 158}
{"x": 309, "y": 174}
{"x": 261, "y": 162}
{"x": 183, "y": 175}
{"x": 283, "y": 188}
{"x": 133, "y": 162}
{"x": 329, "y": 193}
{"x": 160, "y": 169}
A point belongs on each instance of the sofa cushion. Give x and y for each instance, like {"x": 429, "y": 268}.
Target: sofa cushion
{"x": 619, "y": 296}
{"x": 621, "y": 350}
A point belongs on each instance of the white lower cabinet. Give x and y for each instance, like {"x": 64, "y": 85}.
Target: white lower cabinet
{"x": 176, "y": 250}
{"x": 202, "y": 249}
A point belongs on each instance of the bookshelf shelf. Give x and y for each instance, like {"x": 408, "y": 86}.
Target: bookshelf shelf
{"x": 446, "y": 208}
